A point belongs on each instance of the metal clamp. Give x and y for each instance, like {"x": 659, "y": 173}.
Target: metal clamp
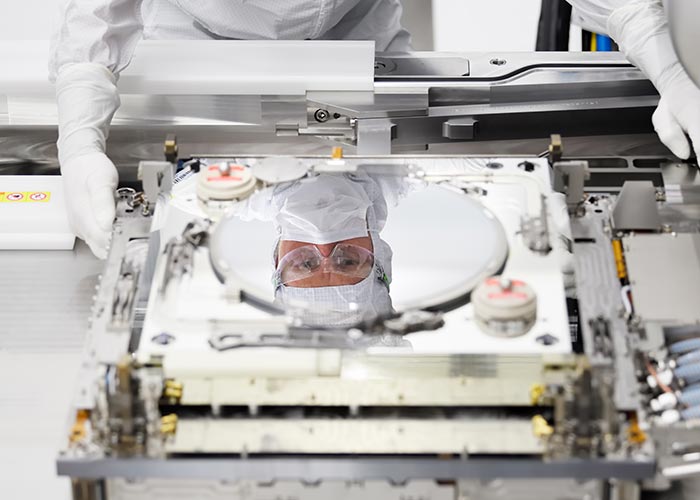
{"x": 180, "y": 252}
{"x": 570, "y": 178}
{"x": 156, "y": 178}
{"x": 460, "y": 128}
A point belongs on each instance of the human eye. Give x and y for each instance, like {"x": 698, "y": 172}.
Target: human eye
{"x": 309, "y": 264}
{"x": 348, "y": 258}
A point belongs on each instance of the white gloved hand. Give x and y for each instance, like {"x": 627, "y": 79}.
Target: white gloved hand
{"x": 641, "y": 29}
{"x": 87, "y": 99}
{"x": 90, "y": 181}
{"x": 678, "y": 114}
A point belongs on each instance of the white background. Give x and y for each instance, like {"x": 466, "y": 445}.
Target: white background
{"x": 458, "y": 25}
{"x": 485, "y": 25}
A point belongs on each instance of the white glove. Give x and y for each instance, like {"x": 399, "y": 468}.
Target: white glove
{"x": 90, "y": 181}
{"x": 678, "y": 114}
{"x": 87, "y": 99}
{"x": 641, "y": 29}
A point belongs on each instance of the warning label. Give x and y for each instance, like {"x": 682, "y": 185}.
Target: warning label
{"x": 24, "y": 196}
{"x": 37, "y": 196}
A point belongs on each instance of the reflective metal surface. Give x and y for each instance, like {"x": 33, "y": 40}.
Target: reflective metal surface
{"x": 521, "y": 101}
{"x": 421, "y": 66}
{"x": 446, "y": 264}
{"x": 511, "y": 106}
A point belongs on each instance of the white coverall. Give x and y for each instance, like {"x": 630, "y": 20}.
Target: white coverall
{"x": 96, "y": 40}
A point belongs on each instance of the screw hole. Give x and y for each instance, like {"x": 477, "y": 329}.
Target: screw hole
{"x": 527, "y": 166}
{"x": 498, "y": 61}
{"x": 547, "y": 339}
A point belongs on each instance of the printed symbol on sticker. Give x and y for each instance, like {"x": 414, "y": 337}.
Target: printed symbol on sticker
{"x": 38, "y": 196}
{"x": 15, "y": 196}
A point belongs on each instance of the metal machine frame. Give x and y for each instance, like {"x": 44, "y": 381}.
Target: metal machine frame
{"x": 499, "y": 99}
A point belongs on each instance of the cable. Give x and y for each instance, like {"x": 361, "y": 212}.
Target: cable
{"x": 691, "y": 357}
{"x": 691, "y": 413}
{"x": 626, "y": 299}
{"x": 554, "y": 26}
{"x": 690, "y": 373}
{"x": 690, "y": 397}
{"x": 603, "y": 43}
{"x": 685, "y": 346}
{"x": 653, "y": 373}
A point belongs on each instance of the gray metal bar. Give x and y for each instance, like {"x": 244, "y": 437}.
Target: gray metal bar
{"x": 316, "y": 469}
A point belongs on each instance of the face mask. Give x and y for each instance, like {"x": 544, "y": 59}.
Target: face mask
{"x": 347, "y": 305}
{"x": 323, "y": 209}
{"x": 338, "y": 305}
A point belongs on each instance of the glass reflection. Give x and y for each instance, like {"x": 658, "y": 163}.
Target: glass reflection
{"x": 328, "y": 229}
{"x": 331, "y": 267}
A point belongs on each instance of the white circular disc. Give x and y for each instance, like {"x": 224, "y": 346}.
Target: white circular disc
{"x": 445, "y": 243}
{"x": 246, "y": 248}
{"x": 278, "y": 169}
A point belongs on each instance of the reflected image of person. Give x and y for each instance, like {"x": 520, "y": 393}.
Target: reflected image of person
{"x": 332, "y": 267}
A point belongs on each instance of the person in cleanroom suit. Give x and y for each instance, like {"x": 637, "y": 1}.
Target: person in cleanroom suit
{"x": 331, "y": 265}
{"x": 96, "y": 40}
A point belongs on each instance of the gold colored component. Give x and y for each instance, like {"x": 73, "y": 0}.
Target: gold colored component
{"x": 635, "y": 434}
{"x": 168, "y": 424}
{"x": 556, "y": 149}
{"x": 172, "y": 389}
{"x": 170, "y": 148}
{"x": 124, "y": 373}
{"x": 540, "y": 427}
{"x": 583, "y": 364}
{"x": 77, "y": 432}
{"x": 536, "y": 393}
{"x": 619, "y": 259}
{"x": 337, "y": 153}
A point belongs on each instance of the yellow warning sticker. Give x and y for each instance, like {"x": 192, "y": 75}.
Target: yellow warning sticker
{"x": 24, "y": 196}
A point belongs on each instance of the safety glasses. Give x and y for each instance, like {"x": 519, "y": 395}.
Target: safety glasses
{"x": 304, "y": 262}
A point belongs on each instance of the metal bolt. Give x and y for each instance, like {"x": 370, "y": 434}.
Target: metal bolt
{"x": 322, "y": 115}
{"x": 355, "y": 334}
{"x": 225, "y": 168}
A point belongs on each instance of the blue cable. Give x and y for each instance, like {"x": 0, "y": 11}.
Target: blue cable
{"x": 690, "y": 357}
{"x": 690, "y": 373}
{"x": 684, "y": 346}
{"x": 689, "y": 398}
{"x": 603, "y": 43}
{"x": 691, "y": 413}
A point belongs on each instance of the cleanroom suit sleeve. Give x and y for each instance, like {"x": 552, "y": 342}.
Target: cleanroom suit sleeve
{"x": 641, "y": 30}
{"x": 94, "y": 41}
